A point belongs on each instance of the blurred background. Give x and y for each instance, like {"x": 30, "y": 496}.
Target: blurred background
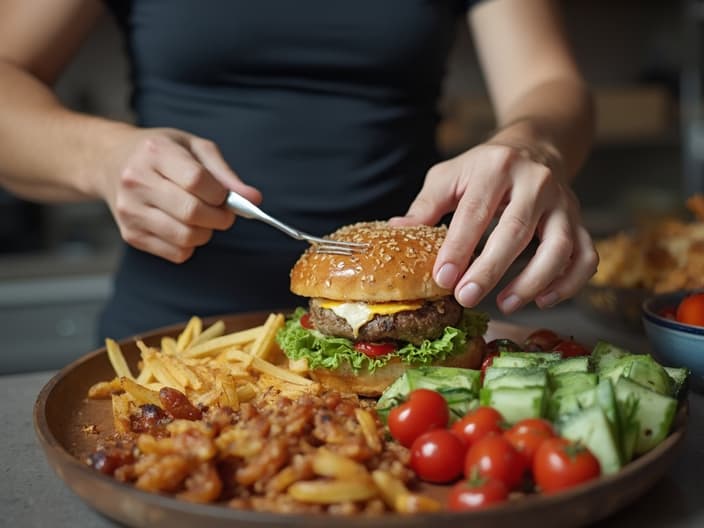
{"x": 643, "y": 60}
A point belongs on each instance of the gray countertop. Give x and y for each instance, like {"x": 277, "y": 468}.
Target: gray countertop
{"x": 31, "y": 495}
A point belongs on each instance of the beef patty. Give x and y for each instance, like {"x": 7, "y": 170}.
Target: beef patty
{"x": 414, "y": 326}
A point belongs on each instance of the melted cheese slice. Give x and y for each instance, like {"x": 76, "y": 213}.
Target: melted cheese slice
{"x": 357, "y": 314}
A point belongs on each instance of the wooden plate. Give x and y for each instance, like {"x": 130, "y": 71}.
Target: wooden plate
{"x": 62, "y": 412}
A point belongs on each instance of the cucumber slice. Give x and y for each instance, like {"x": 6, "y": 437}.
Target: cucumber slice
{"x": 605, "y": 354}
{"x": 514, "y": 404}
{"x": 577, "y": 381}
{"x": 642, "y": 369}
{"x": 680, "y": 380}
{"x": 591, "y": 427}
{"x": 519, "y": 378}
{"x": 654, "y": 412}
{"x": 572, "y": 364}
{"x": 525, "y": 359}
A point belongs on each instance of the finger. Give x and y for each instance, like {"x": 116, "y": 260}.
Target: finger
{"x": 474, "y": 213}
{"x": 150, "y": 243}
{"x": 176, "y": 233}
{"x": 208, "y": 153}
{"x": 551, "y": 259}
{"x": 583, "y": 265}
{"x": 183, "y": 206}
{"x": 432, "y": 202}
{"x": 509, "y": 238}
{"x": 175, "y": 163}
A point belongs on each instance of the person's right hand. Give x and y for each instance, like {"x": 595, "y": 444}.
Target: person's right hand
{"x": 166, "y": 189}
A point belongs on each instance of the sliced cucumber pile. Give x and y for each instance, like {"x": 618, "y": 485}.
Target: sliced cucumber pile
{"x": 620, "y": 405}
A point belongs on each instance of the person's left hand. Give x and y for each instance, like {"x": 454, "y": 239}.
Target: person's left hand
{"x": 529, "y": 199}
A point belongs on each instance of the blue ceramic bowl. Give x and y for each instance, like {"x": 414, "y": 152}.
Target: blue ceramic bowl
{"x": 674, "y": 344}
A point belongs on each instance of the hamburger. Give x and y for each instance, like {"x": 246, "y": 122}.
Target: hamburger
{"x": 373, "y": 315}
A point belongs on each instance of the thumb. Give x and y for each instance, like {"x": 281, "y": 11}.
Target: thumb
{"x": 209, "y": 155}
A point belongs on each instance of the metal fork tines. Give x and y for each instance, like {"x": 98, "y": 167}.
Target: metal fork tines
{"x": 246, "y": 209}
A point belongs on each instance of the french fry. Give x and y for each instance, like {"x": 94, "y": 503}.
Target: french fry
{"x": 189, "y": 333}
{"x": 214, "y": 346}
{"x": 140, "y": 393}
{"x": 269, "y": 368}
{"x": 369, "y": 430}
{"x": 263, "y": 344}
{"x": 332, "y": 491}
{"x": 117, "y": 359}
{"x": 176, "y": 369}
{"x": 246, "y": 392}
{"x": 298, "y": 366}
{"x": 121, "y": 412}
{"x": 215, "y": 330}
{"x": 168, "y": 346}
{"x": 228, "y": 391}
{"x": 329, "y": 464}
{"x": 417, "y": 503}
{"x": 145, "y": 375}
{"x": 104, "y": 389}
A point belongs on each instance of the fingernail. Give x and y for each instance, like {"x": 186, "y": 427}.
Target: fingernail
{"x": 510, "y": 303}
{"x": 549, "y": 299}
{"x": 469, "y": 295}
{"x": 446, "y": 276}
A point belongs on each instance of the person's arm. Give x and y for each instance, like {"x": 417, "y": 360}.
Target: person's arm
{"x": 521, "y": 174}
{"x": 539, "y": 96}
{"x": 164, "y": 187}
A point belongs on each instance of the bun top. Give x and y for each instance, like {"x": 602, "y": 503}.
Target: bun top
{"x": 397, "y": 266}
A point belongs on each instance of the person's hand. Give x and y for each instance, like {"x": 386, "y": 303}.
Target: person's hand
{"x": 166, "y": 190}
{"x": 497, "y": 180}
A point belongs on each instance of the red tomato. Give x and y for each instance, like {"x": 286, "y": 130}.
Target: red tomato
{"x": 541, "y": 340}
{"x": 306, "y": 322}
{"x": 374, "y": 349}
{"x": 527, "y": 435}
{"x": 476, "y": 493}
{"x": 560, "y": 464}
{"x": 691, "y": 310}
{"x": 493, "y": 456}
{"x": 478, "y": 423}
{"x": 425, "y": 410}
{"x": 570, "y": 348}
{"x": 437, "y": 456}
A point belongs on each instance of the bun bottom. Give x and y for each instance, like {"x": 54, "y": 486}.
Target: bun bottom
{"x": 344, "y": 379}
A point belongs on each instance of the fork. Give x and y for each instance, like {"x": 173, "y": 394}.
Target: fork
{"x": 243, "y": 207}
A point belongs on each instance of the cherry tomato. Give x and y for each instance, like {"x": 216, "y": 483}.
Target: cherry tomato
{"x": 306, "y": 322}
{"x": 425, "y": 410}
{"x": 560, "y": 464}
{"x": 477, "y": 424}
{"x": 437, "y": 456}
{"x": 476, "y": 493}
{"x": 570, "y": 348}
{"x": 493, "y": 456}
{"x": 691, "y": 310}
{"x": 541, "y": 340}
{"x": 374, "y": 349}
{"x": 527, "y": 435}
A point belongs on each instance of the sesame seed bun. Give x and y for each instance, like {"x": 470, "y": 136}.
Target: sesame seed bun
{"x": 397, "y": 266}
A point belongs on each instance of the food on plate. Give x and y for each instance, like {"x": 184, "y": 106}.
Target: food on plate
{"x": 424, "y": 411}
{"x": 215, "y": 419}
{"x": 437, "y": 456}
{"x": 663, "y": 256}
{"x": 373, "y": 315}
{"x": 560, "y": 464}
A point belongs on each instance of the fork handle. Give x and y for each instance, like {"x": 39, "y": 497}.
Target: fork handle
{"x": 246, "y": 209}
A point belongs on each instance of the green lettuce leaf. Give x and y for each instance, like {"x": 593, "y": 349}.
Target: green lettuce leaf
{"x": 322, "y": 351}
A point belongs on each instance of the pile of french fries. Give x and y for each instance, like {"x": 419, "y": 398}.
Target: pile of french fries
{"x": 216, "y": 369}
{"x": 207, "y": 365}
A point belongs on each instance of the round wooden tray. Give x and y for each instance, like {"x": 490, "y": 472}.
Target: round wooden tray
{"x": 62, "y": 412}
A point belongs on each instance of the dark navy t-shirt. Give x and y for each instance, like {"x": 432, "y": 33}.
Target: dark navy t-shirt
{"x": 329, "y": 108}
